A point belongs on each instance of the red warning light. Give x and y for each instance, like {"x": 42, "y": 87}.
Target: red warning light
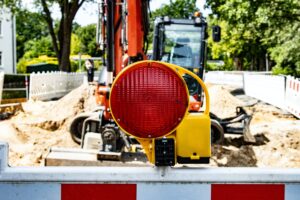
{"x": 148, "y": 100}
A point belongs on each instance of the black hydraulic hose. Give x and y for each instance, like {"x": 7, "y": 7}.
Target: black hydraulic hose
{"x": 110, "y": 36}
{"x": 155, "y": 54}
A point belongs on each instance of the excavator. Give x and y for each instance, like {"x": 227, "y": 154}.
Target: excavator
{"x": 154, "y": 110}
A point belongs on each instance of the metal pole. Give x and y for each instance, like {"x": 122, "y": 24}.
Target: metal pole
{"x": 3, "y": 156}
{"x": 79, "y": 54}
{"x": 267, "y": 63}
{"x": 110, "y": 41}
{"x": 27, "y": 87}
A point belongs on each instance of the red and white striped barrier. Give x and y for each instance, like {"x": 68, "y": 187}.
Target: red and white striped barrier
{"x": 148, "y": 191}
{"x": 292, "y": 96}
{"x": 145, "y": 183}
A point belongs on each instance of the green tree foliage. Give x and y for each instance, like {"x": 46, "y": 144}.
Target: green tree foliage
{"x": 257, "y": 28}
{"x": 175, "y": 9}
{"x": 35, "y": 48}
{"x": 29, "y": 26}
{"x": 87, "y": 36}
{"x": 34, "y": 41}
{"x": 75, "y": 44}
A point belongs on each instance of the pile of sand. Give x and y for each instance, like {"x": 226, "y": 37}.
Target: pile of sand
{"x": 41, "y": 125}
{"x": 222, "y": 102}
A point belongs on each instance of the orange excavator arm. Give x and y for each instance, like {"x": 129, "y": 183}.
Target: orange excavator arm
{"x": 124, "y": 26}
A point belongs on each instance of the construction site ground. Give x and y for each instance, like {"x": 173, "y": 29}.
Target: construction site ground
{"x": 41, "y": 125}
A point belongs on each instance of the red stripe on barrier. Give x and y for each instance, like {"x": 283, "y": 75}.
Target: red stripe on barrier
{"x": 247, "y": 192}
{"x": 297, "y": 87}
{"x": 98, "y": 191}
{"x": 294, "y": 85}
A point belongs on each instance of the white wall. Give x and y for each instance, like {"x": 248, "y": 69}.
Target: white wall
{"x": 7, "y": 42}
{"x": 268, "y": 88}
{"x": 227, "y": 78}
{"x": 280, "y": 91}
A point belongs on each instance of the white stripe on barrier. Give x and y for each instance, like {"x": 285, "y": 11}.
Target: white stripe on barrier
{"x": 151, "y": 191}
{"x": 292, "y": 192}
{"x": 30, "y": 191}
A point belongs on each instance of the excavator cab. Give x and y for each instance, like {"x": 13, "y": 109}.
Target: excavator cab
{"x": 182, "y": 42}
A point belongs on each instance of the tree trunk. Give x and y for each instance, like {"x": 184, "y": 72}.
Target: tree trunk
{"x": 65, "y": 33}
{"x": 252, "y": 63}
{"x": 64, "y": 63}
{"x": 62, "y": 42}
{"x": 49, "y": 20}
{"x": 262, "y": 63}
{"x": 238, "y": 63}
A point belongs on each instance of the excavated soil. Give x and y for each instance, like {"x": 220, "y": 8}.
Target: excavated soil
{"x": 41, "y": 125}
{"x": 277, "y": 134}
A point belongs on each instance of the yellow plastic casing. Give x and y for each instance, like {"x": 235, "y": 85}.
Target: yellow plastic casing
{"x": 193, "y": 137}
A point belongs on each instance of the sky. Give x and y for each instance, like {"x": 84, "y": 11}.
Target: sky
{"x": 87, "y": 14}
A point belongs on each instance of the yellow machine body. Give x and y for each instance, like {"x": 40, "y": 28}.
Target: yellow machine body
{"x": 193, "y": 139}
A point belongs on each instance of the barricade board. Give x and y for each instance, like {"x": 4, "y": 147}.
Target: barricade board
{"x": 148, "y": 191}
{"x": 145, "y": 183}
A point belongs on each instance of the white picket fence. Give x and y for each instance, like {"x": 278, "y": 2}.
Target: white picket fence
{"x": 51, "y": 85}
{"x": 1, "y": 84}
{"x": 280, "y": 91}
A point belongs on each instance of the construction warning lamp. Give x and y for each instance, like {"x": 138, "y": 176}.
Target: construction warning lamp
{"x": 149, "y": 100}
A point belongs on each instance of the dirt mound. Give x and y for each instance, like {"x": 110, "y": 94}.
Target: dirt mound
{"x": 42, "y": 125}
{"x": 56, "y": 114}
{"x": 231, "y": 156}
{"x": 222, "y": 102}
{"x": 282, "y": 148}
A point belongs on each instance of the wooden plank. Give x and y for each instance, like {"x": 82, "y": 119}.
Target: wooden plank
{"x": 80, "y": 157}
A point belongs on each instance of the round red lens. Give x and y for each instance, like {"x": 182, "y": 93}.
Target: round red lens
{"x": 149, "y": 100}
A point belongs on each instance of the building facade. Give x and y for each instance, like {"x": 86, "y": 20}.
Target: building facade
{"x": 7, "y": 42}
